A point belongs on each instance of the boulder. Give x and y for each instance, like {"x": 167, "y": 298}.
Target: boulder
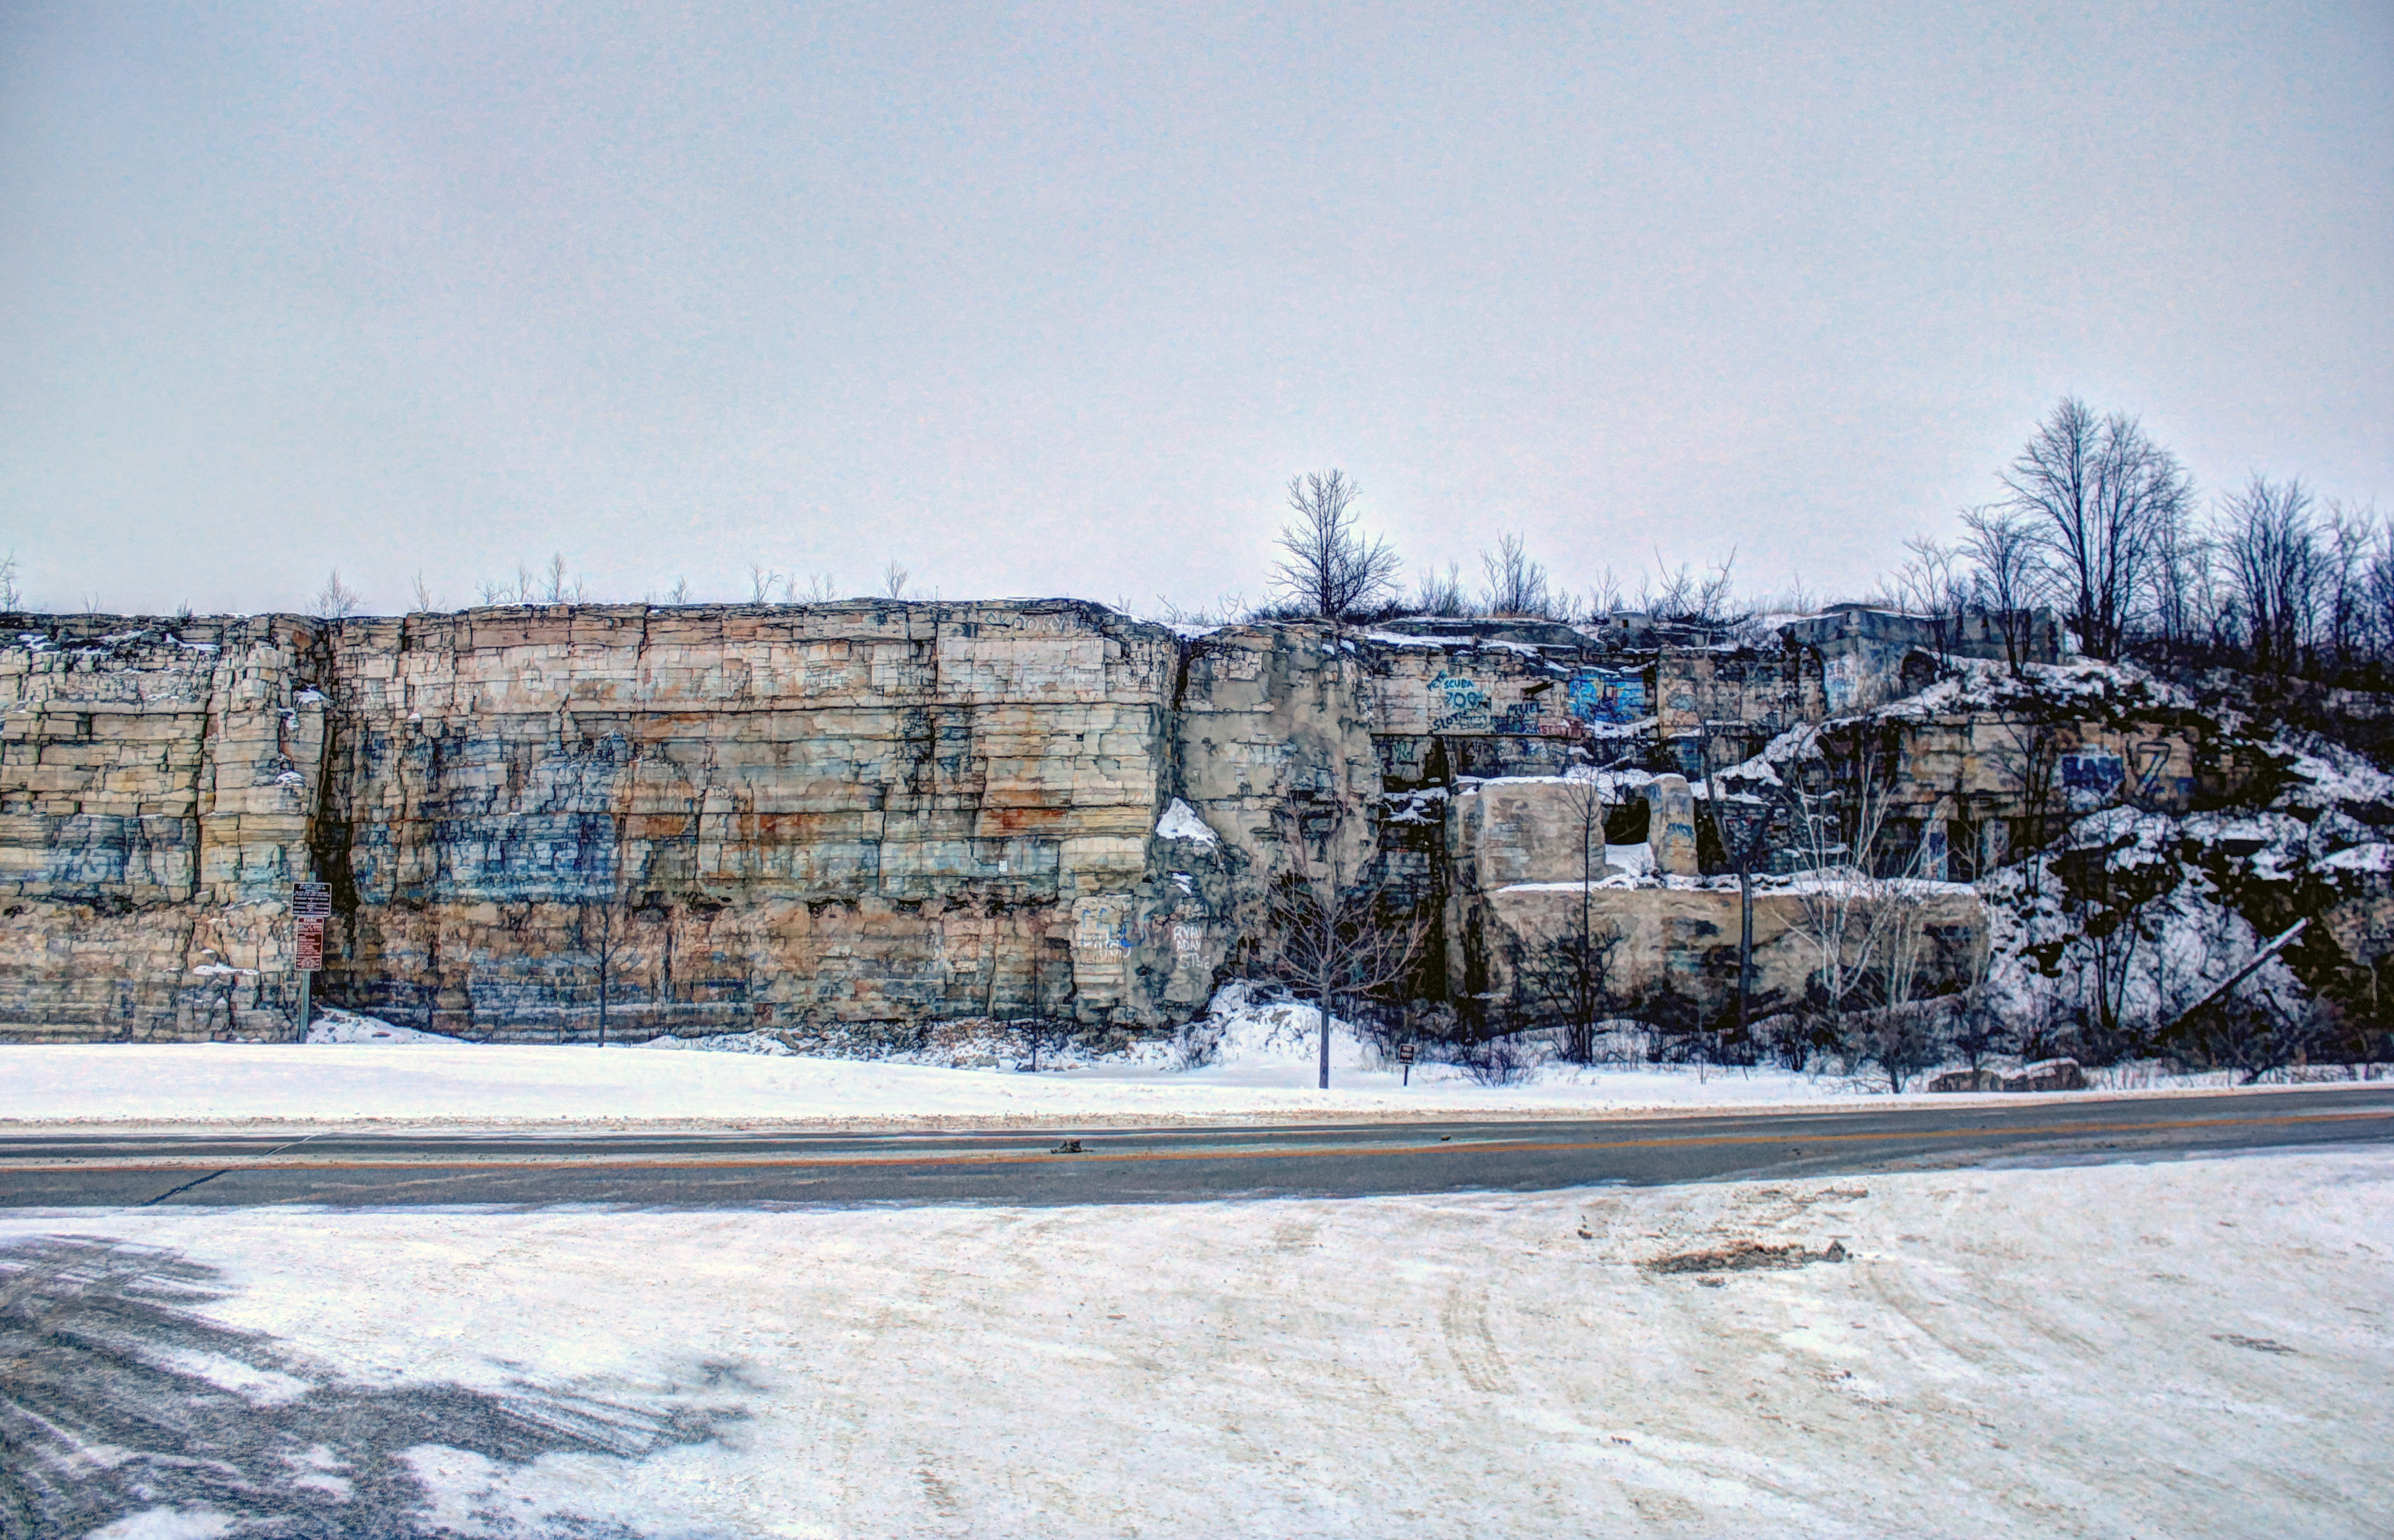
{"x": 2047, "y": 1074}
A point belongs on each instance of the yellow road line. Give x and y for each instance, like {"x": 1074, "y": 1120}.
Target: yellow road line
{"x": 1031, "y": 1157}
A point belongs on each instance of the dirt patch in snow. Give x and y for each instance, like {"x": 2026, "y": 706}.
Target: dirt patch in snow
{"x": 1747, "y": 1256}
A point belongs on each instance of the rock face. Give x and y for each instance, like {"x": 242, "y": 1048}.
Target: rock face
{"x": 857, "y": 811}
{"x": 157, "y": 797}
{"x": 1671, "y": 824}
{"x": 1675, "y": 947}
{"x": 734, "y": 817}
{"x": 2046, "y": 1074}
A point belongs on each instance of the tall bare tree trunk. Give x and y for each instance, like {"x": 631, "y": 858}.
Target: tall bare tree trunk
{"x": 1745, "y": 941}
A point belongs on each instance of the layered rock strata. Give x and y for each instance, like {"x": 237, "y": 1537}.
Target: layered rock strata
{"x": 714, "y": 817}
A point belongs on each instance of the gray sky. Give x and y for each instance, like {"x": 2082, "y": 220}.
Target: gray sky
{"x": 1053, "y": 301}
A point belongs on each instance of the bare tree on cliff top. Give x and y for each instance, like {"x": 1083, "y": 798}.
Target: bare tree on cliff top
{"x": 1516, "y": 586}
{"x": 2275, "y": 567}
{"x": 336, "y": 599}
{"x": 1333, "y": 569}
{"x": 2001, "y": 548}
{"x": 2102, "y": 498}
{"x": 1328, "y": 935}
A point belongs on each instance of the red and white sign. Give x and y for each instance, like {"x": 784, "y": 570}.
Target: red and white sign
{"x": 308, "y": 950}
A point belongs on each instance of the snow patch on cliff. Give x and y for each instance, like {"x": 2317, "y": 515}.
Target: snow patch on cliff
{"x": 1180, "y": 822}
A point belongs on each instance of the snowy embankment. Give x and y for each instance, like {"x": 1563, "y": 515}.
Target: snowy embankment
{"x": 2196, "y": 1347}
{"x": 465, "y": 1083}
{"x": 1263, "y": 1064}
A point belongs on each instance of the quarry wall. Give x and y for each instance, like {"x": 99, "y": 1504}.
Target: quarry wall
{"x": 725, "y": 816}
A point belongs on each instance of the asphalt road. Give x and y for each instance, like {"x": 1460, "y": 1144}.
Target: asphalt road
{"x": 1181, "y": 1165}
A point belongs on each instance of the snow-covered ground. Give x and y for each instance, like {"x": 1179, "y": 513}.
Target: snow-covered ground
{"x": 1263, "y": 1065}
{"x": 192, "y": 1082}
{"x": 2202, "y": 1347}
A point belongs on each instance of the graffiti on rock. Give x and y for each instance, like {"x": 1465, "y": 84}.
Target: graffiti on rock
{"x": 1457, "y": 704}
{"x": 1841, "y": 682}
{"x": 1607, "y": 695}
{"x": 2155, "y": 757}
{"x": 2093, "y": 769}
{"x": 1520, "y": 720}
{"x": 1102, "y": 932}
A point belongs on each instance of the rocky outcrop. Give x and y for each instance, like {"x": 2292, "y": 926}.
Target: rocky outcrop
{"x": 735, "y": 817}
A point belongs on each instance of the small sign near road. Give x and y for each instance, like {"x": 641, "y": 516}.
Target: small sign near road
{"x": 311, "y": 905}
{"x": 308, "y": 950}
{"x": 1405, "y": 1057}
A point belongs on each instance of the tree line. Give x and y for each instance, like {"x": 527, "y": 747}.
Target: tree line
{"x": 2094, "y": 520}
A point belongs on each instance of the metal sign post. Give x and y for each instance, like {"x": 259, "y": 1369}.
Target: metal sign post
{"x": 311, "y": 905}
{"x": 1405, "y": 1057}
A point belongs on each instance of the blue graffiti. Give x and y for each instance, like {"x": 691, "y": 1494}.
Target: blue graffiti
{"x": 2095, "y": 770}
{"x": 1607, "y": 695}
{"x": 2156, "y": 756}
{"x": 1457, "y": 704}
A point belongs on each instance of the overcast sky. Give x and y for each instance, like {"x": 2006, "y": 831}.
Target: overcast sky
{"x": 1042, "y": 300}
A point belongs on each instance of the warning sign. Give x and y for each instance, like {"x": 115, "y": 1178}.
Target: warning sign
{"x": 311, "y": 901}
{"x": 308, "y": 951}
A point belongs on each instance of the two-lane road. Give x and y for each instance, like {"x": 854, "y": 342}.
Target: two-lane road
{"x": 1168, "y": 1164}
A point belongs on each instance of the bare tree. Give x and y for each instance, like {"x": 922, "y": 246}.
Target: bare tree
{"x": 2001, "y": 546}
{"x": 2100, "y": 495}
{"x": 1044, "y": 1033}
{"x": 893, "y": 581}
{"x": 1516, "y": 586}
{"x": 335, "y": 598}
{"x": 425, "y": 602}
{"x": 2256, "y": 1031}
{"x": 820, "y": 589}
{"x": 2349, "y": 544}
{"x": 762, "y": 581}
{"x": 2274, "y": 566}
{"x": 1331, "y": 932}
{"x": 2186, "y": 606}
{"x": 525, "y": 592}
{"x": 1930, "y": 584}
{"x": 1741, "y": 819}
{"x": 679, "y": 592}
{"x": 1603, "y": 596}
{"x": 1443, "y": 596}
{"x": 608, "y": 927}
{"x": 10, "y": 595}
{"x": 1903, "y": 1039}
{"x": 1848, "y": 914}
{"x": 1582, "y": 965}
{"x": 2374, "y": 584}
{"x": 1333, "y": 570}
{"x": 1687, "y": 599}
{"x": 556, "y": 587}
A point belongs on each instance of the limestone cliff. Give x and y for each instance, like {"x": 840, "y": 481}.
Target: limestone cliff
{"x": 726, "y": 816}
{"x": 740, "y": 816}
